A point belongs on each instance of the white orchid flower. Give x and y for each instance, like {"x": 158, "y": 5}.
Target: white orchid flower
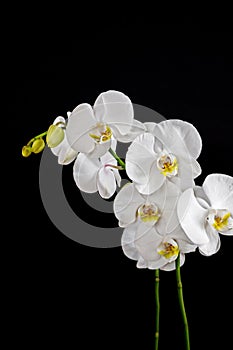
{"x": 90, "y": 130}
{"x": 63, "y": 151}
{"x": 168, "y": 151}
{"x": 152, "y": 233}
{"x": 93, "y": 174}
{"x": 205, "y": 212}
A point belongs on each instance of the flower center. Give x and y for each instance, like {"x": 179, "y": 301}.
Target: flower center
{"x": 221, "y": 220}
{"x": 101, "y": 133}
{"x": 149, "y": 213}
{"x": 167, "y": 164}
{"x": 168, "y": 249}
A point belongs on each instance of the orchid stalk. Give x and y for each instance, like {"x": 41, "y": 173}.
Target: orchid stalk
{"x": 37, "y": 137}
{"x": 157, "y": 309}
{"x": 120, "y": 161}
{"x": 181, "y": 302}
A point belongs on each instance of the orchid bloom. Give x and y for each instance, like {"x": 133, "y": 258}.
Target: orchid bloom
{"x": 168, "y": 150}
{"x": 62, "y": 149}
{"x": 208, "y": 212}
{"x": 102, "y": 175}
{"x": 152, "y": 233}
{"x": 90, "y": 130}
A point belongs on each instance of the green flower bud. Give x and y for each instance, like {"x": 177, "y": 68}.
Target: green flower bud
{"x": 55, "y": 136}
{"x": 26, "y": 151}
{"x": 38, "y": 145}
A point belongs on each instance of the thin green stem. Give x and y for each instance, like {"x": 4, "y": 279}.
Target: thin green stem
{"x": 120, "y": 161}
{"x": 181, "y": 302}
{"x": 157, "y": 309}
{"x": 37, "y": 137}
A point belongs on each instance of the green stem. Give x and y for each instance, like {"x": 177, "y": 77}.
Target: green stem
{"x": 120, "y": 161}
{"x": 37, "y": 137}
{"x": 157, "y": 310}
{"x": 181, "y": 302}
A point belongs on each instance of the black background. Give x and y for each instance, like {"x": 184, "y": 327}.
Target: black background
{"x": 63, "y": 293}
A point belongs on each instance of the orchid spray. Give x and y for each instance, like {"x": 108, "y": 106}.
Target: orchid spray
{"x": 163, "y": 214}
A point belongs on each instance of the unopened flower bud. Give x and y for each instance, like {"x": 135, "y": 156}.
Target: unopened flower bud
{"x": 38, "y": 145}
{"x": 55, "y": 136}
{"x": 26, "y": 151}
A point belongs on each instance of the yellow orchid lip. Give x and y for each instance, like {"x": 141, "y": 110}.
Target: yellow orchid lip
{"x": 168, "y": 250}
{"x": 221, "y": 220}
{"x": 149, "y": 213}
{"x": 221, "y": 223}
{"x": 168, "y": 165}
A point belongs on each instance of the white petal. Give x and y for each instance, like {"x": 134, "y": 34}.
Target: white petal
{"x": 176, "y": 181}
{"x": 219, "y": 190}
{"x": 184, "y": 243}
{"x": 141, "y": 164}
{"x": 166, "y": 199}
{"x": 159, "y": 197}
{"x": 141, "y": 264}
{"x": 196, "y": 168}
{"x": 192, "y": 217}
{"x": 147, "y": 241}
{"x": 64, "y": 144}
{"x": 158, "y": 146}
{"x": 201, "y": 197}
{"x": 67, "y": 158}
{"x": 154, "y": 181}
{"x": 178, "y": 135}
{"x": 170, "y": 208}
{"x": 188, "y": 169}
{"x": 117, "y": 177}
{"x": 106, "y": 182}
{"x": 227, "y": 233}
{"x": 85, "y": 173}
{"x": 56, "y": 150}
{"x": 146, "y": 141}
{"x": 157, "y": 264}
{"x": 150, "y": 126}
{"x": 107, "y": 158}
{"x": 113, "y": 144}
{"x": 113, "y": 107}
{"x": 65, "y": 153}
{"x": 172, "y": 265}
{"x": 140, "y": 157}
{"x": 127, "y": 242}
{"x": 137, "y": 128}
{"x": 100, "y": 149}
{"x": 59, "y": 120}
{"x": 79, "y": 126}
{"x": 185, "y": 246}
{"x": 126, "y": 204}
{"x": 214, "y": 243}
